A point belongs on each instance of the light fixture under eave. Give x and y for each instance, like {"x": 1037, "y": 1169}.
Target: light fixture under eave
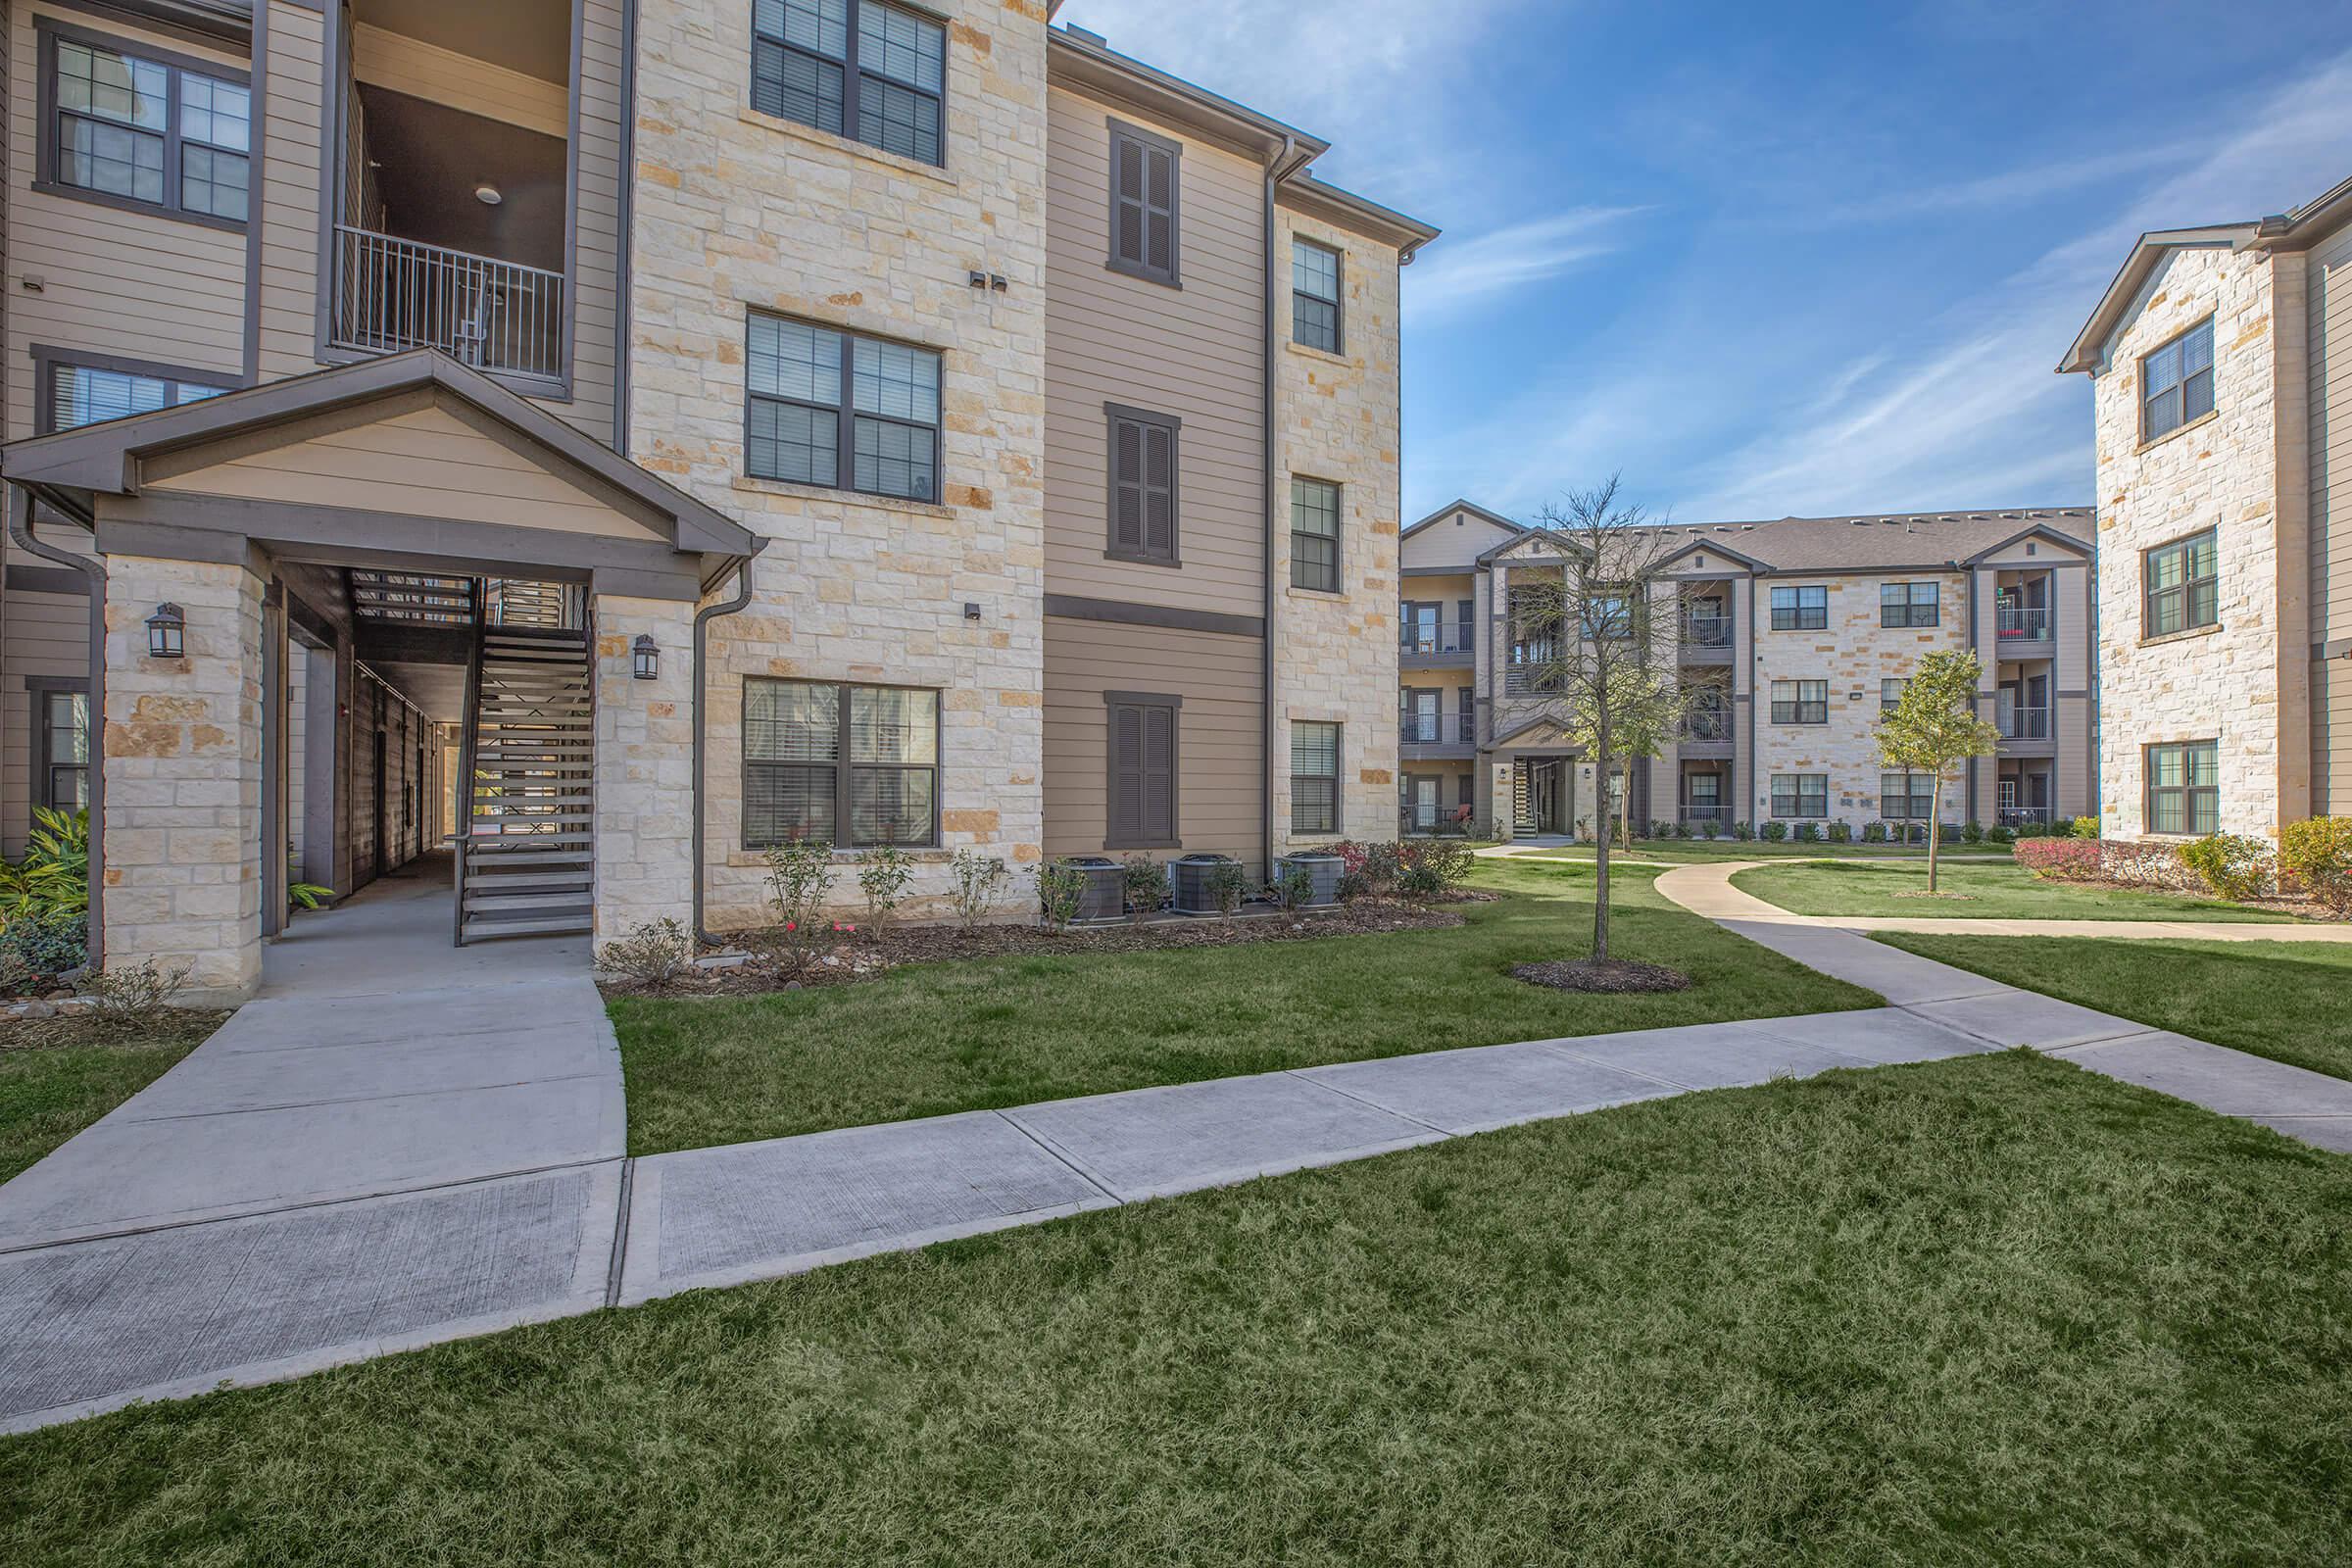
{"x": 488, "y": 194}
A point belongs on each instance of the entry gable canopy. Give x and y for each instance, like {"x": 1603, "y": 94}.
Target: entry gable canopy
{"x": 537, "y": 465}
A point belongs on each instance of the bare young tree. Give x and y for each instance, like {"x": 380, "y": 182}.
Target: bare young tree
{"x": 1595, "y": 639}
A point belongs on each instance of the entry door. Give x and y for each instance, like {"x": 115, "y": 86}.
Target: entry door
{"x": 1422, "y": 717}
{"x": 1425, "y": 803}
{"x": 1421, "y": 628}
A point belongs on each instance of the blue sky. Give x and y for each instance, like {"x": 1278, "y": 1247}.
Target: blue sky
{"x": 1768, "y": 259}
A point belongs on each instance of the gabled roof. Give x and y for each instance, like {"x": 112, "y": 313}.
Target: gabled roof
{"x": 1896, "y": 541}
{"x": 2295, "y": 230}
{"x": 106, "y": 457}
{"x": 1458, "y": 504}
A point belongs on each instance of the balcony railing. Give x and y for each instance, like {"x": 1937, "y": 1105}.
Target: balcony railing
{"x": 1707, "y": 724}
{"x": 1531, "y": 680}
{"x": 2021, "y": 625}
{"x": 1428, "y": 639}
{"x": 2020, "y": 815}
{"x": 1708, "y": 631}
{"x": 1436, "y": 730}
{"x": 2025, "y": 724}
{"x": 1695, "y": 812}
{"x": 393, "y": 294}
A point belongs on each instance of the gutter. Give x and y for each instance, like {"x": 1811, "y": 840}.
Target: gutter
{"x": 1281, "y": 166}
{"x": 20, "y": 528}
{"x": 701, "y": 700}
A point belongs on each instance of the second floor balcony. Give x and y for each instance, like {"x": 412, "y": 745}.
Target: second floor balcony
{"x": 1708, "y": 631}
{"x": 2015, "y": 624}
{"x": 393, "y": 294}
{"x": 1436, "y": 730}
{"x": 2024, "y": 723}
{"x": 1706, "y": 725}
{"x": 1448, "y": 641}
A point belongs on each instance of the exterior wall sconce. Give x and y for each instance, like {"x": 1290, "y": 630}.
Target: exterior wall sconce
{"x": 971, "y": 609}
{"x": 648, "y": 656}
{"x": 166, "y": 632}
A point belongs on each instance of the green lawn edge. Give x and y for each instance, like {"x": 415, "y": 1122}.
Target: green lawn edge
{"x": 1985, "y": 891}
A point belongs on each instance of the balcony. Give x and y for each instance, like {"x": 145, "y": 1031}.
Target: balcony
{"x": 1698, "y": 814}
{"x": 2021, "y": 816}
{"x": 2025, "y": 724}
{"x": 2021, "y": 625}
{"x": 1703, "y": 725}
{"x": 1434, "y": 735}
{"x": 1429, "y": 646}
{"x": 393, "y": 294}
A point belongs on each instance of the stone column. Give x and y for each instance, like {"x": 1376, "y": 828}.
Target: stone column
{"x": 644, "y": 771}
{"x": 184, "y": 776}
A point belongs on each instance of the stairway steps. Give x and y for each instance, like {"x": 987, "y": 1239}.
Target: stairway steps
{"x": 523, "y": 854}
{"x": 553, "y": 925}
{"x": 480, "y": 902}
{"x": 530, "y": 855}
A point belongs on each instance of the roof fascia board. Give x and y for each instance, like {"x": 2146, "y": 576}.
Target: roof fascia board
{"x": 1345, "y": 209}
{"x": 2038, "y": 531}
{"x": 2088, "y": 352}
{"x": 1474, "y": 510}
{"x": 1097, "y": 70}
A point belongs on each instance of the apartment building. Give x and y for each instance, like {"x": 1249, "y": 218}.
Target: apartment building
{"x": 1792, "y": 636}
{"x": 628, "y": 434}
{"x": 2221, "y": 364}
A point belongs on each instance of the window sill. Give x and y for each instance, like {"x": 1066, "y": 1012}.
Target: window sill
{"x": 2174, "y": 433}
{"x": 749, "y": 484}
{"x": 2189, "y": 635}
{"x": 1135, "y": 559}
{"x": 927, "y": 855}
{"x": 1144, "y": 274}
{"x": 131, "y": 204}
{"x": 1328, "y": 595}
{"x": 1309, "y": 352}
{"x": 897, "y": 161}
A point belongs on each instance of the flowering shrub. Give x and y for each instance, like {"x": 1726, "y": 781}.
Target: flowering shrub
{"x": 2231, "y": 865}
{"x": 1366, "y": 869}
{"x": 2059, "y": 859}
{"x": 2150, "y": 864}
{"x": 2319, "y": 853}
{"x": 1433, "y": 866}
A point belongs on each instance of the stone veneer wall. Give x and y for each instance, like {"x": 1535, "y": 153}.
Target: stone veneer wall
{"x": 737, "y": 210}
{"x": 1854, "y": 654}
{"x": 183, "y": 775}
{"x": 2222, "y": 683}
{"x": 1336, "y": 418}
{"x": 644, "y": 773}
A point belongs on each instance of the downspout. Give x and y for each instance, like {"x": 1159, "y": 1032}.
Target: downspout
{"x": 1280, "y": 168}
{"x": 93, "y": 571}
{"x": 702, "y": 620}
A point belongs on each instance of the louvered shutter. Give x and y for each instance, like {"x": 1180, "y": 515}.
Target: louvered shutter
{"x": 1143, "y": 216}
{"x": 1127, "y": 220}
{"x": 1127, "y": 486}
{"x": 1159, "y": 490}
{"x": 1126, "y": 774}
{"x": 1159, "y": 774}
{"x": 1159, "y": 210}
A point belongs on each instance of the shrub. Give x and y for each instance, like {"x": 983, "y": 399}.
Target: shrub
{"x": 1999, "y": 835}
{"x": 1681, "y": 830}
{"x": 1947, "y": 832}
{"x": 53, "y": 879}
{"x": 1775, "y": 831}
{"x": 649, "y": 958}
{"x": 882, "y": 876}
{"x": 2143, "y": 863}
{"x": 1841, "y": 831}
{"x": 2030, "y": 829}
{"x": 2059, "y": 859}
{"x": 1661, "y": 830}
{"x": 47, "y": 945}
{"x": 136, "y": 993}
{"x": 979, "y": 882}
{"x": 1061, "y": 890}
{"x": 2319, "y": 853}
{"x": 1874, "y": 832}
{"x": 1226, "y": 886}
{"x": 2086, "y": 827}
{"x": 2231, "y": 865}
{"x": 1972, "y": 832}
{"x": 1293, "y": 888}
{"x": 1740, "y": 830}
{"x": 1807, "y": 833}
{"x": 1145, "y": 882}
{"x": 1432, "y": 869}
{"x": 1365, "y": 869}
{"x": 799, "y": 876}
{"x": 1711, "y": 828}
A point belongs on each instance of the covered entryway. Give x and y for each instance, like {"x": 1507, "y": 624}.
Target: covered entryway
{"x": 489, "y": 615}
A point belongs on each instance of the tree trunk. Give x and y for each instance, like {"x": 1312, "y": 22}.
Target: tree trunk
{"x": 1934, "y": 817}
{"x": 1601, "y": 848}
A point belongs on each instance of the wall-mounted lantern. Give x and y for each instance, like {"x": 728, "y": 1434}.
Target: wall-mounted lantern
{"x": 648, "y": 656}
{"x": 166, "y": 632}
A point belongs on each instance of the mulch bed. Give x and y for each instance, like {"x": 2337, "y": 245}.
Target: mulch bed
{"x": 1615, "y": 976}
{"x": 174, "y": 1026}
{"x": 864, "y": 956}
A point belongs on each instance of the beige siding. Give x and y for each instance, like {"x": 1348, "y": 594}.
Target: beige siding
{"x": 426, "y": 463}
{"x": 1219, "y": 746}
{"x": 288, "y": 207}
{"x": 135, "y": 285}
{"x": 1196, "y": 353}
{"x": 47, "y": 634}
{"x": 1456, "y": 540}
{"x": 2331, "y": 737}
{"x": 2329, "y": 362}
{"x": 595, "y": 272}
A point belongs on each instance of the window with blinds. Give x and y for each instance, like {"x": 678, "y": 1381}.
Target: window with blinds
{"x": 81, "y": 394}
{"x": 851, "y": 765}
{"x": 134, "y": 131}
{"x": 1314, "y": 777}
{"x": 1145, "y": 175}
{"x": 833, "y": 409}
{"x": 1142, "y": 746}
{"x": 1142, "y": 485}
{"x": 882, "y": 81}
{"x": 1314, "y": 534}
{"x": 1315, "y": 295}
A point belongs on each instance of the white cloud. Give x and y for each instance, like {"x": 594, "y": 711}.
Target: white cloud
{"x": 1462, "y": 271}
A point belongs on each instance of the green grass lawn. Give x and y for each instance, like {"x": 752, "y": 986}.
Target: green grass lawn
{"x": 1693, "y": 851}
{"x": 1997, "y": 1310}
{"x": 1970, "y": 892}
{"x": 2281, "y": 999}
{"x": 966, "y": 1036}
{"x": 48, "y": 1093}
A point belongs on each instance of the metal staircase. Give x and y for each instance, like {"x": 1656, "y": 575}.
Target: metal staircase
{"x": 527, "y": 835}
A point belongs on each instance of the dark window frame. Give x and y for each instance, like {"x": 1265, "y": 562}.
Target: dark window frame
{"x": 1802, "y": 709}
{"x": 847, "y": 414}
{"x": 2189, "y": 795}
{"x": 1174, "y": 705}
{"x": 1888, "y": 704}
{"x": 48, "y": 146}
{"x": 844, "y": 767}
{"x": 1801, "y": 614}
{"x": 1336, "y": 302}
{"x": 1115, "y": 415}
{"x": 1905, "y": 613}
{"x": 42, "y": 782}
{"x": 1917, "y": 807}
{"x": 852, "y": 79}
{"x": 1338, "y": 754}
{"x": 48, "y": 360}
{"x": 1147, "y": 144}
{"x": 1337, "y": 536}
{"x": 2177, "y": 389}
{"x": 2186, "y": 591}
{"x": 1801, "y": 795}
